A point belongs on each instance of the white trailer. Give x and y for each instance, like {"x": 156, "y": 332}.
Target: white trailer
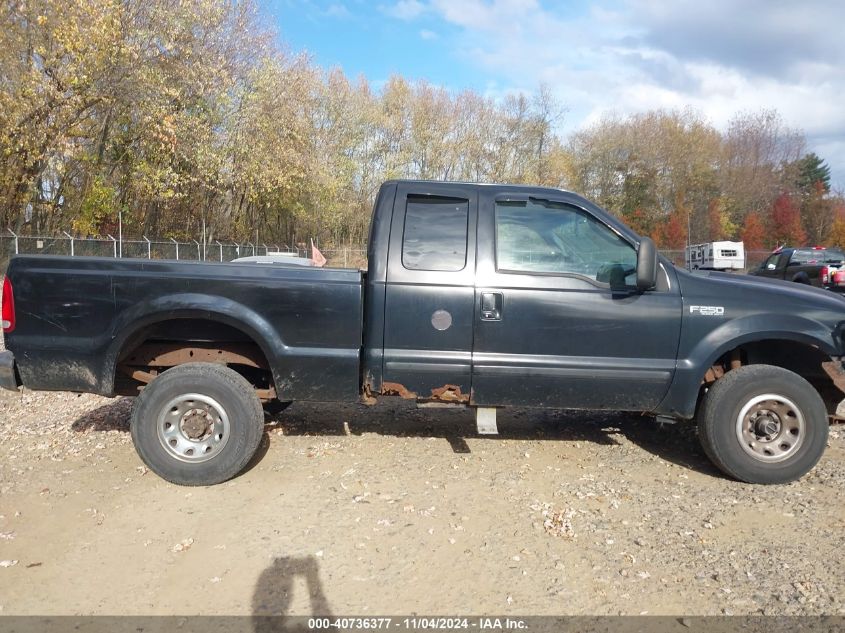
{"x": 722, "y": 255}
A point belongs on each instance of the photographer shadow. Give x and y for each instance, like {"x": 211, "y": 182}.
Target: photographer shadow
{"x": 274, "y": 592}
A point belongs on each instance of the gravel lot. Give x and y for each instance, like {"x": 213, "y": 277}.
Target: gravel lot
{"x": 395, "y": 510}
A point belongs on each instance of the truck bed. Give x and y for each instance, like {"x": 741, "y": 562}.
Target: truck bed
{"x": 78, "y": 319}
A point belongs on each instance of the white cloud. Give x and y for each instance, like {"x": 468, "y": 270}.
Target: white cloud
{"x": 428, "y": 35}
{"x": 337, "y": 10}
{"x": 499, "y": 15}
{"x": 719, "y": 56}
{"x": 405, "y": 9}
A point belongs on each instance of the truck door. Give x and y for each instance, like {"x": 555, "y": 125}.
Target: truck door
{"x": 429, "y": 294}
{"x": 773, "y": 266}
{"x": 559, "y": 322}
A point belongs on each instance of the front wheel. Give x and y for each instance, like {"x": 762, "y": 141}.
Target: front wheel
{"x": 197, "y": 424}
{"x": 763, "y": 424}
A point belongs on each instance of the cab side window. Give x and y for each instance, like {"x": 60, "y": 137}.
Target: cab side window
{"x": 555, "y": 238}
{"x": 771, "y": 262}
{"x": 803, "y": 256}
{"x": 435, "y": 235}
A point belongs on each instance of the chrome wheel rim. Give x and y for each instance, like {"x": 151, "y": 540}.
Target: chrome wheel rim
{"x": 193, "y": 428}
{"x": 770, "y": 428}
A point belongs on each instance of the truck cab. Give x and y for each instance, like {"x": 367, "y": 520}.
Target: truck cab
{"x": 498, "y": 296}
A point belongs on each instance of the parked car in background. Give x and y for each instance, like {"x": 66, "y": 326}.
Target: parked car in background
{"x": 812, "y": 265}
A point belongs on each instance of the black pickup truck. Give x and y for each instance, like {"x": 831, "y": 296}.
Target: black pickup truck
{"x": 480, "y": 296}
{"x": 813, "y": 265}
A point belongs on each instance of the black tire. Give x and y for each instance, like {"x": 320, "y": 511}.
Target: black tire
{"x": 203, "y": 401}
{"x": 796, "y": 420}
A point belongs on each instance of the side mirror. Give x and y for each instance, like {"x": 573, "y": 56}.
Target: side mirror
{"x": 646, "y": 264}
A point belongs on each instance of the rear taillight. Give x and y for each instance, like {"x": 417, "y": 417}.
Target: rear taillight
{"x": 824, "y": 275}
{"x": 839, "y": 278}
{"x": 8, "y": 307}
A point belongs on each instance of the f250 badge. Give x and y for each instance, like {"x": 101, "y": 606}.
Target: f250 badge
{"x": 707, "y": 310}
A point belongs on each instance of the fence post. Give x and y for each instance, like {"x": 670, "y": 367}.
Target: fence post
{"x": 114, "y": 241}
{"x": 15, "y": 235}
{"x": 199, "y": 256}
{"x": 253, "y": 247}
{"x": 70, "y": 237}
{"x": 237, "y": 249}
{"x": 177, "y": 248}
{"x": 149, "y": 247}
{"x": 221, "y": 249}
{"x": 266, "y": 251}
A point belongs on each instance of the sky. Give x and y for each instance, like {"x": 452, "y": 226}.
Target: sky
{"x": 718, "y": 56}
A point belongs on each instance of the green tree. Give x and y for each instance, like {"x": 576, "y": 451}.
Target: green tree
{"x": 811, "y": 170}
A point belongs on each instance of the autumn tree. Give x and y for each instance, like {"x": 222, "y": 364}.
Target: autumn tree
{"x": 753, "y": 233}
{"x": 187, "y": 118}
{"x": 837, "y": 230}
{"x": 659, "y": 162}
{"x": 786, "y": 221}
{"x": 754, "y": 150}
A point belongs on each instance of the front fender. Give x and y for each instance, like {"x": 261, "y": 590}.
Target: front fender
{"x": 682, "y": 397}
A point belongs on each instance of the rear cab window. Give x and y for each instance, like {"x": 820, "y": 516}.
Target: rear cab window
{"x": 806, "y": 256}
{"x": 817, "y": 256}
{"x": 834, "y": 256}
{"x": 435, "y": 234}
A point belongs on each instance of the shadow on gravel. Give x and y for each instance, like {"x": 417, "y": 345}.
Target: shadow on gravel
{"x": 109, "y": 417}
{"x": 674, "y": 443}
{"x": 275, "y": 588}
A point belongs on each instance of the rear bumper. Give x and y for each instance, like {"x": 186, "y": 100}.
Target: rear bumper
{"x": 8, "y": 375}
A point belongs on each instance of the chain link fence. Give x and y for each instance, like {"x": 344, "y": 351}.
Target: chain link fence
{"x": 216, "y": 251}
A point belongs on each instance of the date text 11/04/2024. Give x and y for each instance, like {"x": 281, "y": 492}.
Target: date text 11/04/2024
{"x": 418, "y": 623}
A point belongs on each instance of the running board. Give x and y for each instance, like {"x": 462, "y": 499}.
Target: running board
{"x": 485, "y": 421}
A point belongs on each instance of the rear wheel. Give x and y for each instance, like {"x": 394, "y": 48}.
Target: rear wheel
{"x": 763, "y": 424}
{"x": 197, "y": 424}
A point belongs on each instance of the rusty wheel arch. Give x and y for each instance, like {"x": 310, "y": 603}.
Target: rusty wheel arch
{"x": 148, "y": 356}
{"x": 822, "y": 371}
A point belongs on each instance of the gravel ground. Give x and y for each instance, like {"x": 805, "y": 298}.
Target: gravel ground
{"x": 395, "y": 510}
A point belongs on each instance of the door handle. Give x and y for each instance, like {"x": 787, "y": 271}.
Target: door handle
{"x": 491, "y": 306}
